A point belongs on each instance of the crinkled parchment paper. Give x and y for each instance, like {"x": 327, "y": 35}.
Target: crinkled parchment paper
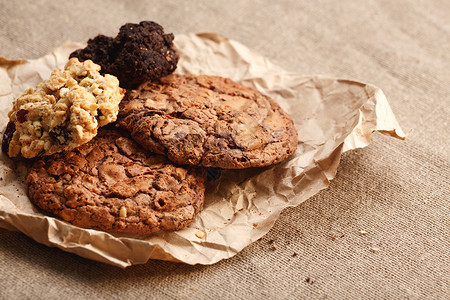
{"x": 331, "y": 115}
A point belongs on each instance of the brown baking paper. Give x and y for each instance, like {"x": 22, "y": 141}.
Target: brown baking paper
{"x": 331, "y": 115}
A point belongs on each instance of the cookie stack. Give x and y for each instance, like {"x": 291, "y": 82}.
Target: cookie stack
{"x": 145, "y": 171}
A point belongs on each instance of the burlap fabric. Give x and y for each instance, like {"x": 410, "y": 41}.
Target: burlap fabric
{"x": 380, "y": 231}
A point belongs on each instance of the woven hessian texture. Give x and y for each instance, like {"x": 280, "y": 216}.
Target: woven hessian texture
{"x": 396, "y": 191}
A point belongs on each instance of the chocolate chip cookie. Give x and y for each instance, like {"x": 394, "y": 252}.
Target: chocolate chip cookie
{"x": 208, "y": 121}
{"x": 140, "y": 52}
{"x": 62, "y": 112}
{"x": 113, "y": 184}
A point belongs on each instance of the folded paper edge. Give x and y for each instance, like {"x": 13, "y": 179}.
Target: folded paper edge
{"x": 381, "y": 119}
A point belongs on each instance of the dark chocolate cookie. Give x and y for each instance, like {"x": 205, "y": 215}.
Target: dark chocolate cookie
{"x": 113, "y": 184}
{"x": 208, "y": 121}
{"x": 99, "y": 49}
{"x": 140, "y": 52}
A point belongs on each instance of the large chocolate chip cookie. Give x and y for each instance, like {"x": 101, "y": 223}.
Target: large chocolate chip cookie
{"x": 208, "y": 121}
{"x": 112, "y": 184}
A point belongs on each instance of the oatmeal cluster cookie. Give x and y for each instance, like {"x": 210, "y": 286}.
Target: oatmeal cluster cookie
{"x": 208, "y": 121}
{"x": 62, "y": 112}
{"x": 113, "y": 184}
{"x": 139, "y": 53}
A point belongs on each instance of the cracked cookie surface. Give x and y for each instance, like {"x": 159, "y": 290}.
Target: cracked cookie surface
{"x": 113, "y": 184}
{"x": 209, "y": 121}
{"x": 62, "y": 112}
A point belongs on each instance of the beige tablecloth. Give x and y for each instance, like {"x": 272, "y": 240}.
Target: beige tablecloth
{"x": 380, "y": 231}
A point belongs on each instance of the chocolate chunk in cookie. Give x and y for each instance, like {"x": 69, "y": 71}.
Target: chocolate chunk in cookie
{"x": 62, "y": 112}
{"x": 208, "y": 121}
{"x": 140, "y": 52}
{"x": 113, "y": 184}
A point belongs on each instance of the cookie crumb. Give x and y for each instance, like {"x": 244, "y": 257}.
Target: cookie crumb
{"x": 236, "y": 212}
{"x": 295, "y": 254}
{"x": 335, "y": 236}
{"x": 309, "y": 280}
{"x": 200, "y": 234}
{"x": 274, "y": 248}
{"x": 255, "y": 225}
{"x": 363, "y": 232}
{"x": 375, "y": 250}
